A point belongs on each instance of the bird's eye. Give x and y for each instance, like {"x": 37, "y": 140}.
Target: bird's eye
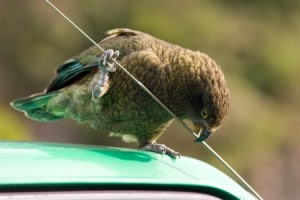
{"x": 204, "y": 113}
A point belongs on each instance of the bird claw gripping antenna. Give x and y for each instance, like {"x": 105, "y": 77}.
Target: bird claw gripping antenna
{"x": 106, "y": 64}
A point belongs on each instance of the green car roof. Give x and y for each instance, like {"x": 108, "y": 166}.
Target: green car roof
{"x": 41, "y": 164}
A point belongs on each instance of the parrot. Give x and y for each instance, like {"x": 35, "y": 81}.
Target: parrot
{"x": 90, "y": 88}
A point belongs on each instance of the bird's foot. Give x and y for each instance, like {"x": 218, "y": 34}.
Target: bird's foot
{"x": 106, "y": 65}
{"x": 161, "y": 149}
{"x": 107, "y": 61}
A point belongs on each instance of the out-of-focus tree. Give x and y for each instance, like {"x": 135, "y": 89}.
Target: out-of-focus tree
{"x": 11, "y": 127}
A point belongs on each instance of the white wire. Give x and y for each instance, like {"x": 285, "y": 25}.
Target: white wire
{"x": 160, "y": 103}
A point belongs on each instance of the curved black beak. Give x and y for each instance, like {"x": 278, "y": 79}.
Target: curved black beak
{"x": 203, "y": 136}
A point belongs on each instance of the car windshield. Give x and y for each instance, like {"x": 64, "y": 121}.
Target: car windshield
{"x": 108, "y": 195}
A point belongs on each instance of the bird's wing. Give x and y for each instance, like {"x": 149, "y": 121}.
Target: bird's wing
{"x": 120, "y": 32}
{"x": 69, "y": 72}
{"x": 74, "y": 69}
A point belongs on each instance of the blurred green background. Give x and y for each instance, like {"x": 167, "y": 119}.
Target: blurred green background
{"x": 257, "y": 43}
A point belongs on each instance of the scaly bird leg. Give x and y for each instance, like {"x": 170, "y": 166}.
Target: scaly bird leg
{"x": 161, "y": 149}
{"x": 99, "y": 84}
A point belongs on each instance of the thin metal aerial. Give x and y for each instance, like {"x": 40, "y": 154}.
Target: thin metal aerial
{"x": 243, "y": 181}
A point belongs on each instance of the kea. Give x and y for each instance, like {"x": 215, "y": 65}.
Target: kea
{"x": 89, "y": 88}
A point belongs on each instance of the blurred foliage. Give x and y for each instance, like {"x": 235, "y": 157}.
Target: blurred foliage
{"x": 255, "y": 42}
{"x": 11, "y": 128}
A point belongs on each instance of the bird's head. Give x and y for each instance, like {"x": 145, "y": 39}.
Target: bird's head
{"x": 207, "y": 98}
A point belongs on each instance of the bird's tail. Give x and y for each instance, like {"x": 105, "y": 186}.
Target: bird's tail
{"x": 36, "y": 107}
